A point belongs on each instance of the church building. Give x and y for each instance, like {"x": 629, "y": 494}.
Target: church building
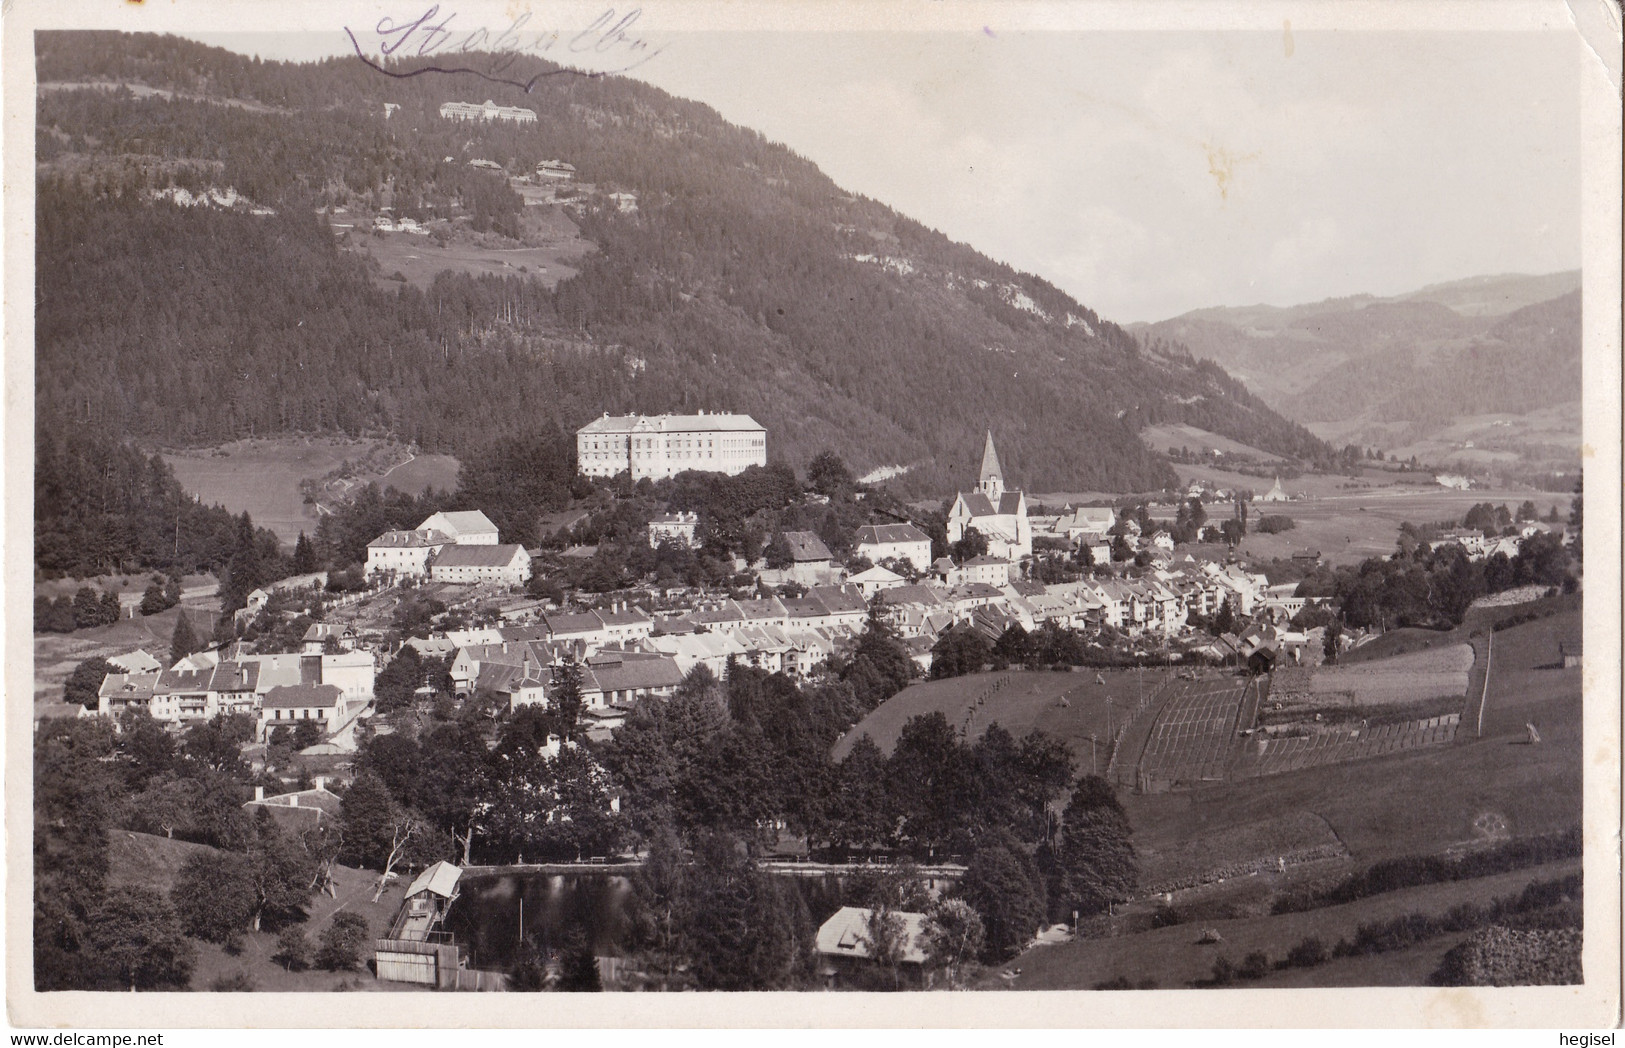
{"x": 994, "y": 512}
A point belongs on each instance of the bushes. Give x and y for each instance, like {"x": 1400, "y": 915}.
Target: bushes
{"x": 1500, "y": 956}
{"x": 1414, "y": 870}
{"x": 342, "y": 942}
{"x": 1309, "y": 953}
{"x": 1275, "y": 523}
{"x": 1122, "y": 982}
{"x": 292, "y": 949}
{"x": 1255, "y": 965}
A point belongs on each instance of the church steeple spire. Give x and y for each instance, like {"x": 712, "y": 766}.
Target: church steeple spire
{"x": 992, "y": 483}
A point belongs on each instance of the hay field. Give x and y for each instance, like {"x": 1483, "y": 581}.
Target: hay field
{"x": 1416, "y": 677}
{"x": 1031, "y": 700}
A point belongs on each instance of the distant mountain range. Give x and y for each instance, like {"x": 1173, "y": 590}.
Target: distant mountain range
{"x": 719, "y": 271}
{"x": 1496, "y": 358}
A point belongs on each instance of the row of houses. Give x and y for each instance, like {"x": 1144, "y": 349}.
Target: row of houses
{"x": 271, "y": 688}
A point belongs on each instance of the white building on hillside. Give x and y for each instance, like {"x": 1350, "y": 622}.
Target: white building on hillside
{"x": 665, "y": 445}
{"x": 507, "y": 564}
{"x": 404, "y": 554}
{"x": 489, "y": 111}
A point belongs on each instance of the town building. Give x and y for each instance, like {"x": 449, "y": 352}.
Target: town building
{"x": 659, "y": 446}
{"x": 487, "y": 112}
{"x": 505, "y": 564}
{"x": 1276, "y": 493}
{"x": 677, "y": 528}
{"x": 901, "y": 542}
{"x": 404, "y": 554}
{"x": 810, "y": 560}
{"x": 288, "y": 705}
{"x": 997, "y": 514}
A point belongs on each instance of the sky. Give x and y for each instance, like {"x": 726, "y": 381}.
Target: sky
{"x": 1151, "y": 173}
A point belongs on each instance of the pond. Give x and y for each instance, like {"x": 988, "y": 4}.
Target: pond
{"x": 495, "y": 911}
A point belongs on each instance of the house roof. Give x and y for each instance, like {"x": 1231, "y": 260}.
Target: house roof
{"x": 409, "y": 540}
{"x": 235, "y": 676}
{"x": 876, "y": 574}
{"x": 185, "y": 680}
{"x": 671, "y": 424}
{"x": 632, "y": 672}
{"x": 805, "y": 547}
{"x": 572, "y": 622}
{"x": 439, "y": 879}
{"x": 846, "y": 934}
{"x": 984, "y": 560}
{"x": 137, "y": 661}
{"x": 979, "y": 505}
{"x": 302, "y": 696}
{"x": 496, "y": 556}
{"x": 129, "y": 685}
{"x": 877, "y": 533}
{"x": 839, "y": 599}
{"x": 463, "y": 522}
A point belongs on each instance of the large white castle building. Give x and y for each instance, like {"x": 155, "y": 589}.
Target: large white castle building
{"x": 489, "y": 111}
{"x": 658, "y": 446}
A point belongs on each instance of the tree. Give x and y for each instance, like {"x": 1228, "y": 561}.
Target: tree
{"x": 138, "y": 938}
{"x": 578, "y": 968}
{"x": 1332, "y": 646}
{"x": 861, "y": 812}
{"x": 880, "y": 666}
{"x": 306, "y": 734}
{"x": 1121, "y": 550}
{"x": 397, "y": 683}
{"x": 828, "y": 475}
{"x": 343, "y": 942}
{"x": 84, "y": 683}
{"x": 214, "y": 896}
{"x": 1097, "y": 864}
{"x": 292, "y": 949}
{"x": 1013, "y": 645}
{"x": 1576, "y": 533}
{"x": 280, "y": 875}
{"x": 737, "y": 930}
{"x": 971, "y": 545}
{"x": 1004, "y": 888}
{"x": 954, "y": 938}
{"x": 1225, "y": 621}
{"x": 183, "y": 641}
{"x": 958, "y": 652}
{"x": 566, "y": 703}
{"x": 153, "y": 600}
{"x": 304, "y": 556}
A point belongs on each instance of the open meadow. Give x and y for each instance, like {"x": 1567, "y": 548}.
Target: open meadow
{"x": 264, "y": 476}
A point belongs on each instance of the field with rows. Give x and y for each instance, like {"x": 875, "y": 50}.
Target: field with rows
{"x": 1415, "y": 677}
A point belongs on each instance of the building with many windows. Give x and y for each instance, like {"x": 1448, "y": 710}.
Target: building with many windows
{"x": 658, "y": 446}
{"x": 489, "y": 111}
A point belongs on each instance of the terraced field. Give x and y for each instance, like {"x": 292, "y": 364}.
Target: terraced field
{"x": 1194, "y": 735}
{"x": 1267, "y": 756}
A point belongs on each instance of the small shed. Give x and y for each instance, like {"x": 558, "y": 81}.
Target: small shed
{"x": 417, "y": 949}
{"x": 1569, "y": 649}
{"x": 844, "y": 941}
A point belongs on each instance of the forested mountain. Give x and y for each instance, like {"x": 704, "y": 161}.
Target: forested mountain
{"x": 729, "y": 274}
{"x": 1494, "y": 344}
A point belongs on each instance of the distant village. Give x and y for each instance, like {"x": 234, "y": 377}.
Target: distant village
{"x": 805, "y": 613}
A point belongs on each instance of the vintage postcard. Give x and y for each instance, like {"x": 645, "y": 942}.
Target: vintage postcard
{"x": 812, "y": 514}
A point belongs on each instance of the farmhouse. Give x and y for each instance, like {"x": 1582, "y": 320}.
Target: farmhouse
{"x": 300, "y": 810}
{"x": 665, "y": 445}
{"x": 557, "y": 170}
{"x": 999, "y": 515}
{"x": 489, "y": 111}
{"x": 880, "y": 542}
{"x": 507, "y": 564}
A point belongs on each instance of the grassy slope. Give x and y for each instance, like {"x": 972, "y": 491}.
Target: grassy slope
{"x": 152, "y": 862}
{"x": 1032, "y": 700}
{"x": 1420, "y": 802}
{"x": 1172, "y": 957}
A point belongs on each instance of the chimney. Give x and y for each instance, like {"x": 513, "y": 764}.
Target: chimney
{"x": 259, "y": 793}
{"x": 321, "y": 782}
{"x": 293, "y": 800}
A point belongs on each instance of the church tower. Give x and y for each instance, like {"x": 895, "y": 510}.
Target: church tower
{"x": 992, "y": 484}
